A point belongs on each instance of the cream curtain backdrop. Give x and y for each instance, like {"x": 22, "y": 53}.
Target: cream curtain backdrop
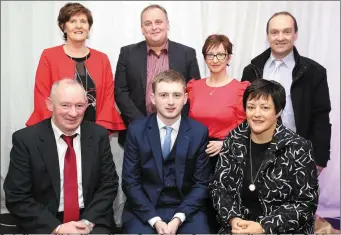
{"x": 29, "y": 27}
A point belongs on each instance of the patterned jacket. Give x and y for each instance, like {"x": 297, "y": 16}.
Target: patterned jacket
{"x": 288, "y": 185}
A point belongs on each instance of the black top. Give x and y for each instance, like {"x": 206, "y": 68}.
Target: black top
{"x": 250, "y": 198}
{"x": 83, "y": 77}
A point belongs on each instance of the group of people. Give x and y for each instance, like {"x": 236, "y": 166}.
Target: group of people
{"x": 201, "y": 155}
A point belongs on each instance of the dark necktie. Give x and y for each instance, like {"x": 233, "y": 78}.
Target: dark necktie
{"x": 71, "y": 206}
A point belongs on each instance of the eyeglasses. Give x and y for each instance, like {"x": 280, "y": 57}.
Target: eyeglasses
{"x": 220, "y": 56}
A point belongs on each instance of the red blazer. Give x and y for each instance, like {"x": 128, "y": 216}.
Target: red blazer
{"x": 54, "y": 65}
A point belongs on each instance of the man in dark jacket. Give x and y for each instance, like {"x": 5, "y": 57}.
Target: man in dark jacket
{"x": 305, "y": 82}
{"x": 139, "y": 63}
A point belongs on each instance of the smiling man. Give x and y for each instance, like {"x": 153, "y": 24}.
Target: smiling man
{"x": 62, "y": 178}
{"x": 165, "y": 168}
{"x": 139, "y": 63}
{"x": 305, "y": 83}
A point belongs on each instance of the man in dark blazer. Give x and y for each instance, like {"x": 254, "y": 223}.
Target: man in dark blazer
{"x": 305, "y": 82}
{"x": 139, "y": 63}
{"x": 53, "y": 186}
{"x": 165, "y": 168}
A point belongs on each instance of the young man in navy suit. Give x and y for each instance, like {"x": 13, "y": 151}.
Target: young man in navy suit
{"x": 165, "y": 168}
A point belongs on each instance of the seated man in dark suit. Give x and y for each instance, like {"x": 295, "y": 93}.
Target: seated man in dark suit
{"x": 139, "y": 63}
{"x": 165, "y": 168}
{"x": 62, "y": 177}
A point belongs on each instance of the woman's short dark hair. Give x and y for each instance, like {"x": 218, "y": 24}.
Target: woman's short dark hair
{"x": 69, "y": 10}
{"x": 261, "y": 88}
{"x": 215, "y": 40}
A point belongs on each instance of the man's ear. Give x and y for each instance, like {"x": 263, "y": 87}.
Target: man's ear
{"x": 186, "y": 98}
{"x": 152, "y": 98}
{"x": 49, "y": 104}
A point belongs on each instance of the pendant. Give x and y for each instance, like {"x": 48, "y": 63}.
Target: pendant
{"x": 252, "y": 187}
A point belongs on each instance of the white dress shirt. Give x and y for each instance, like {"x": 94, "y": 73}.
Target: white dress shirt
{"x": 61, "y": 148}
{"x": 174, "y": 134}
{"x": 284, "y": 74}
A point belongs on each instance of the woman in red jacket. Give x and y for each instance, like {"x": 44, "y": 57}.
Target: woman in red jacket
{"x": 76, "y": 61}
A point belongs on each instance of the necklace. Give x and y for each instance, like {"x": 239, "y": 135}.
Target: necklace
{"x": 78, "y": 77}
{"x": 252, "y": 186}
{"x": 213, "y": 89}
{"x": 216, "y": 86}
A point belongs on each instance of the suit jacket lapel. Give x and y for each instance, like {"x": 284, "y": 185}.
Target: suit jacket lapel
{"x": 155, "y": 143}
{"x": 88, "y": 155}
{"x": 49, "y": 152}
{"x": 172, "y": 55}
{"x": 182, "y": 144}
{"x": 142, "y": 55}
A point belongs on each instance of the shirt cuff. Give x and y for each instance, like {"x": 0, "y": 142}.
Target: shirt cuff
{"x": 181, "y": 216}
{"x": 153, "y": 220}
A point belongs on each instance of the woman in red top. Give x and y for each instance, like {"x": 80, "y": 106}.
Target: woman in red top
{"x": 216, "y": 101}
{"x": 76, "y": 61}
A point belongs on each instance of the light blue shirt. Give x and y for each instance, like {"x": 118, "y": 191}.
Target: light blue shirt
{"x": 285, "y": 78}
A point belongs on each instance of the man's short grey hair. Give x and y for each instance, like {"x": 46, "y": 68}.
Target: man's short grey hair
{"x": 66, "y": 81}
{"x": 152, "y": 6}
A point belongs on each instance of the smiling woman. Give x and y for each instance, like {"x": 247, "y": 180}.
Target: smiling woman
{"x": 266, "y": 179}
{"x": 74, "y": 59}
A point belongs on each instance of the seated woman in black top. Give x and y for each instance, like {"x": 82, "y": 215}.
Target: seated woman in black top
{"x": 266, "y": 179}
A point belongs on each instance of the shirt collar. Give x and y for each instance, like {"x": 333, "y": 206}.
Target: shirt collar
{"x": 175, "y": 126}
{"x": 58, "y": 132}
{"x": 164, "y": 48}
{"x": 288, "y": 60}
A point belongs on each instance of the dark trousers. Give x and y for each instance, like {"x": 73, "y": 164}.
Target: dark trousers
{"x": 10, "y": 226}
{"x": 197, "y": 224}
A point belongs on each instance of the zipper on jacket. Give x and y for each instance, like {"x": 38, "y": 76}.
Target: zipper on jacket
{"x": 257, "y": 71}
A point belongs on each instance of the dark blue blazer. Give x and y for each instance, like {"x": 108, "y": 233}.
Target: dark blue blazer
{"x": 142, "y": 174}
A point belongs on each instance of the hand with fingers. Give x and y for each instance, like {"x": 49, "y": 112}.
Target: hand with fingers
{"x": 214, "y": 147}
{"x": 238, "y": 224}
{"x": 173, "y": 225}
{"x": 72, "y": 227}
{"x": 161, "y": 227}
{"x": 248, "y": 227}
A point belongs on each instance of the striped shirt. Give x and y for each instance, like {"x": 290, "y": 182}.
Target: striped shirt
{"x": 155, "y": 65}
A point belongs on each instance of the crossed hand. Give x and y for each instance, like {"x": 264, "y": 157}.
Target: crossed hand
{"x": 73, "y": 227}
{"x": 245, "y": 226}
{"x": 170, "y": 228}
